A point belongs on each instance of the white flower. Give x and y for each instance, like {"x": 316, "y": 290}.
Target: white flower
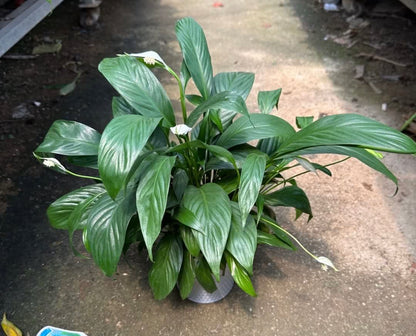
{"x": 325, "y": 263}
{"x": 149, "y": 60}
{"x": 53, "y": 163}
{"x": 180, "y": 129}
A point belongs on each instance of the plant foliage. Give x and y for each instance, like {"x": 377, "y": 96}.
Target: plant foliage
{"x": 198, "y": 195}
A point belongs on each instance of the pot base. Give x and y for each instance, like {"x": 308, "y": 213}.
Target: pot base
{"x": 224, "y": 286}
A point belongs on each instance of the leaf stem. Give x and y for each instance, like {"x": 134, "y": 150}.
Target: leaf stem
{"x": 181, "y": 92}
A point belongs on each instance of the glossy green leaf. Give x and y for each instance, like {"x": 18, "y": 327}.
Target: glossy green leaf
{"x": 268, "y": 99}
{"x": 351, "y": 130}
{"x": 204, "y": 276}
{"x": 151, "y": 198}
{"x": 240, "y": 275}
{"x": 259, "y": 126}
{"x": 359, "y": 153}
{"x": 239, "y": 83}
{"x": 138, "y": 86}
{"x": 165, "y": 271}
{"x": 186, "y": 276}
{"x": 223, "y": 100}
{"x": 106, "y": 229}
{"x": 184, "y": 75}
{"x": 60, "y": 211}
{"x": 121, "y": 107}
{"x": 269, "y": 145}
{"x": 195, "y": 53}
{"x": 302, "y": 122}
{"x": 195, "y": 99}
{"x": 121, "y": 144}
{"x": 70, "y": 138}
{"x": 290, "y": 196}
{"x": 179, "y": 182}
{"x": 190, "y": 241}
{"x": 239, "y": 154}
{"x": 242, "y": 240}
{"x": 211, "y": 206}
{"x": 251, "y": 180}
{"x": 271, "y": 240}
{"x": 222, "y": 154}
{"x": 187, "y": 217}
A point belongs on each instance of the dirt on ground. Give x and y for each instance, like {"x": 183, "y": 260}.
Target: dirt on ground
{"x": 369, "y": 58}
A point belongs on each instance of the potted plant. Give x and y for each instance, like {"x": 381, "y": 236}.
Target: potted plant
{"x": 197, "y": 189}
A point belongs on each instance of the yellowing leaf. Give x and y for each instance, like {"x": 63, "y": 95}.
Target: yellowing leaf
{"x": 9, "y": 328}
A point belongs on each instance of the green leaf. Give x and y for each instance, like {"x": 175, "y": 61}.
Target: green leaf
{"x": 60, "y": 211}
{"x": 239, "y": 83}
{"x": 268, "y": 99}
{"x": 186, "y": 217}
{"x": 204, "y": 276}
{"x": 291, "y": 196}
{"x": 359, "y": 153}
{"x": 189, "y": 240}
{"x": 239, "y": 154}
{"x": 165, "y": 270}
{"x": 222, "y": 154}
{"x": 211, "y": 206}
{"x": 242, "y": 241}
{"x": 195, "y": 99}
{"x": 106, "y": 229}
{"x": 184, "y": 75}
{"x": 240, "y": 275}
{"x": 302, "y": 122}
{"x": 251, "y": 180}
{"x": 186, "y": 276}
{"x": 195, "y": 52}
{"x": 151, "y": 198}
{"x": 179, "y": 182}
{"x": 349, "y": 130}
{"x": 223, "y": 100}
{"x": 89, "y": 161}
{"x": 133, "y": 234}
{"x": 70, "y": 138}
{"x": 271, "y": 240}
{"x": 121, "y": 107}
{"x": 258, "y": 126}
{"x": 121, "y": 144}
{"x": 138, "y": 86}
{"x": 269, "y": 145}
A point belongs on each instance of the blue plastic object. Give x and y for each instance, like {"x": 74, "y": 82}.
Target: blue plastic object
{"x": 53, "y": 331}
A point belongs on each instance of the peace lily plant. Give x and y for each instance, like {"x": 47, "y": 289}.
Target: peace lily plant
{"x": 197, "y": 191}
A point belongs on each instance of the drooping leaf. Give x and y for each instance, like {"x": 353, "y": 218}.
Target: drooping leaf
{"x": 189, "y": 240}
{"x": 186, "y": 276}
{"x": 106, "y": 229}
{"x": 211, "y": 206}
{"x": 291, "y": 196}
{"x": 195, "y": 53}
{"x": 258, "y": 126}
{"x": 251, "y": 180}
{"x": 224, "y": 100}
{"x": 165, "y": 270}
{"x": 151, "y": 198}
{"x": 268, "y": 99}
{"x": 70, "y": 138}
{"x": 204, "y": 276}
{"x": 242, "y": 241}
{"x": 121, "y": 144}
{"x": 60, "y": 211}
{"x": 138, "y": 86}
{"x": 359, "y": 153}
{"x": 239, "y": 83}
{"x": 349, "y": 130}
{"x": 240, "y": 275}
{"x": 271, "y": 240}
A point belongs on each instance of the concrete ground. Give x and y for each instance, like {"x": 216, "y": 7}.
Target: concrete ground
{"x": 368, "y": 234}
